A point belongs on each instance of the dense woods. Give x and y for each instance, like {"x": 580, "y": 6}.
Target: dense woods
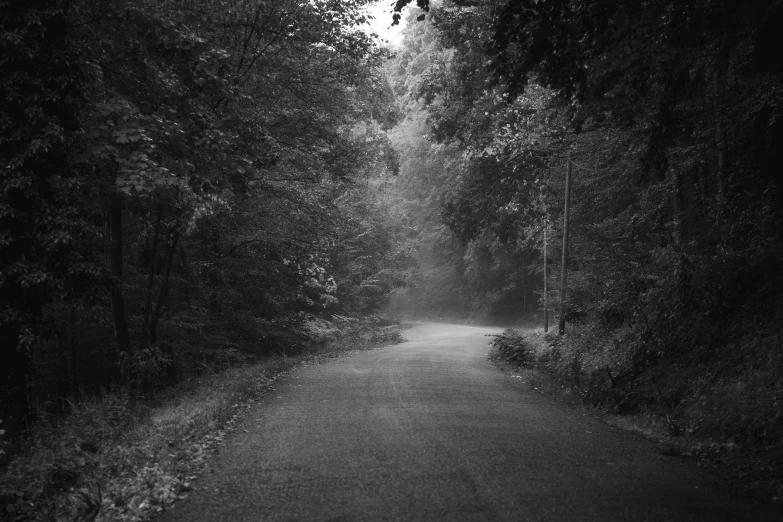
{"x": 191, "y": 185}
{"x": 184, "y": 183}
{"x": 668, "y": 116}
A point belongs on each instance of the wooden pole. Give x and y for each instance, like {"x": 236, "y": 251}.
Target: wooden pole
{"x": 564, "y": 272}
{"x": 546, "y": 307}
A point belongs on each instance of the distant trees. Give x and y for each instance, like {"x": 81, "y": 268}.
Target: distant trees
{"x": 184, "y": 176}
{"x": 470, "y": 272}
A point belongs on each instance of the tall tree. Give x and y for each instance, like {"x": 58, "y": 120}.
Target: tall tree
{"x": 47, "y": 215}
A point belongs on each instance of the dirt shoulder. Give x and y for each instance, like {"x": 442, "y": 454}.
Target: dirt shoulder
{"x": 127, "y": 458}
{"x": 754, "y": 470}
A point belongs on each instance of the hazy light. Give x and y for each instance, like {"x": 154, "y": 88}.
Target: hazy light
{"x": 381, "y": 12}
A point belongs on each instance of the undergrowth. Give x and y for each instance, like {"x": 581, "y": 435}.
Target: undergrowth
{"x": 721, "y": 409}
{"x": 512, "y": 347}
{"x": 125, "y": 456}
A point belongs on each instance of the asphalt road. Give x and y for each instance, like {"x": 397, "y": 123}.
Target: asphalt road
{"x": 430, "y": 430}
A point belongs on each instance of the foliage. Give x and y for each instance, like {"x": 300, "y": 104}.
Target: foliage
{"x": 668, "y": 116}
{"x": 47, "y": 208}
{"x": 513, "y": 348}
{"x": 144, "y": 368}
{"x": 469, "y": 268}
{"x": 185, "y": 185}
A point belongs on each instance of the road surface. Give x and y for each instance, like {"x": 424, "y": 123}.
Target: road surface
{"x": 430, "y": 430}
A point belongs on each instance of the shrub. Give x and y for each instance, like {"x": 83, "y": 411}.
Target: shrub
{"x": 145, "y": 368}
{"x": 513, "y": 348}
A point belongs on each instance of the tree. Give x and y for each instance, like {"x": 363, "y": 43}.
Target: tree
{"x": 47, "y": 219}
{"x": 670, "y": 113}
{"x": 179, "y": 168}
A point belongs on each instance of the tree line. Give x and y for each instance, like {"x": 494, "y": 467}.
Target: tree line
{"x": 188, "y": 183}
{"x": 669, "y": 116}
{"x": 184, "y": 183}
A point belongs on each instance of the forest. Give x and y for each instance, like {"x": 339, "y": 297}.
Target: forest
{"x": 180, "y": 180}
{"x": 193, "y": 186}
{"x": 667, "y": 119}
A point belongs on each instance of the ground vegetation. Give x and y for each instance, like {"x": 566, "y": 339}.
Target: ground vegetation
{"x": 184, "y": 186}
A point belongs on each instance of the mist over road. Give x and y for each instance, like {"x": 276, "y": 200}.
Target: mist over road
{"x": 430, "y": 430}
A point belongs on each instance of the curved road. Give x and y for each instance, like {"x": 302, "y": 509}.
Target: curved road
{"x": 430, "y": 430}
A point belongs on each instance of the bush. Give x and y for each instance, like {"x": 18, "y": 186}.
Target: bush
{"x": 62, "y": 457}
{"x": 513, "y": 348}
{"x": 145, "y": 368}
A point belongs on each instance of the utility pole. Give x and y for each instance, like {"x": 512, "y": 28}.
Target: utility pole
{"x": 546, "y": 306}
{"x": 564, "y": 273}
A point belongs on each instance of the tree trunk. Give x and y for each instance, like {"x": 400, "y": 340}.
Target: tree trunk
{"x": 524, "y": 286}
{"x": 117, "y": 297}
{"x": 720, "y": 139}
{"x": 151, "y": 279}
{"x": 719, "y": 136}
{"x": 564, "y": 272}
{"x": 14, "y": 370}
{"x": 71, "y": 339}
{"x": 184, "y": 272}
{"x": 164, "y": 283}
{"x": 705, "y": 216}
{"x": 677, "y": 208}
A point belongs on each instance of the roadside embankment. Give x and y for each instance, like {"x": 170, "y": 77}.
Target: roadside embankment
{"x": 125, "y": 456}
{"x": 721, "y": 413}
